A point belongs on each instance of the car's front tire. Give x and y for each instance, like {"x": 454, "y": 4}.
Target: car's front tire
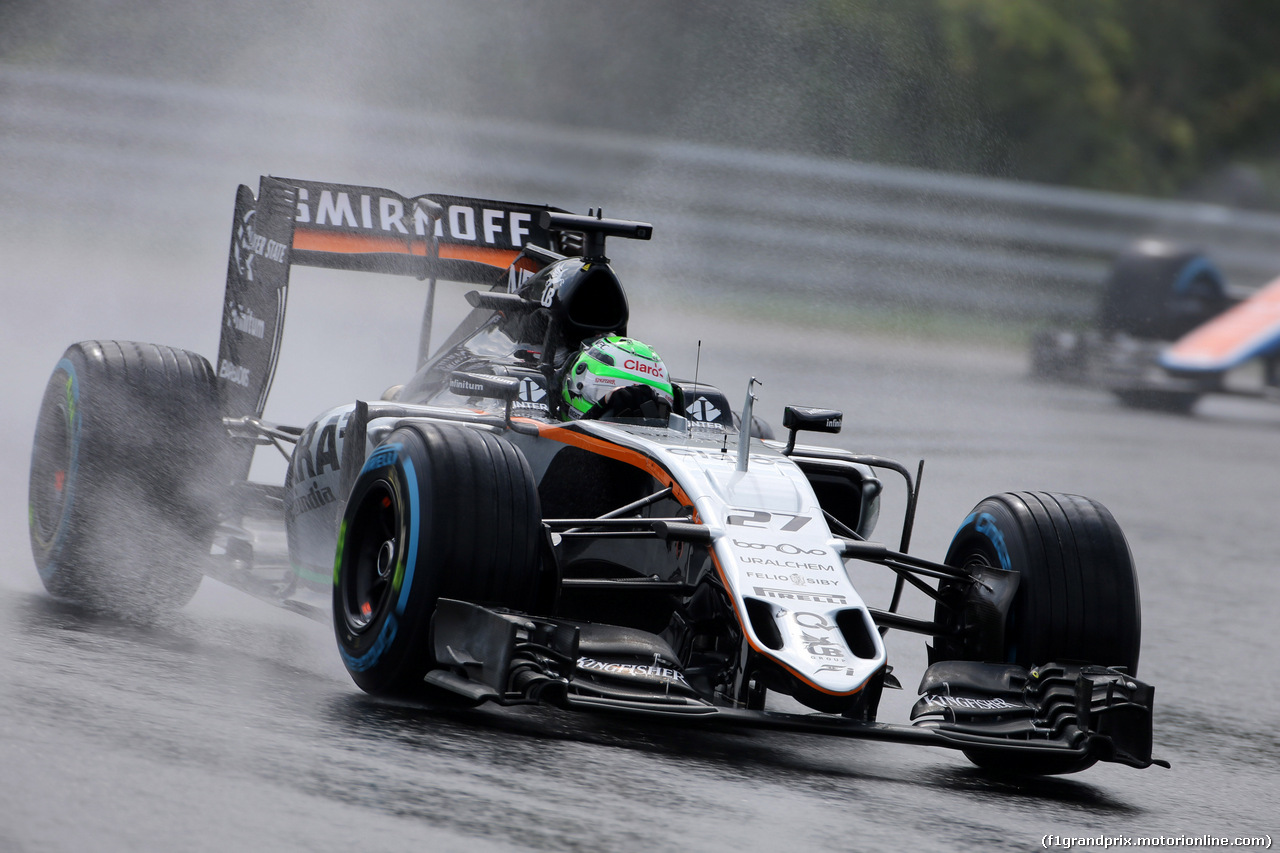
{"x": 1076, "y": 601}
{"x": 437, "y": 511}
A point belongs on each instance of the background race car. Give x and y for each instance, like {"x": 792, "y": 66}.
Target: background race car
{"x": 1168, "y": 331}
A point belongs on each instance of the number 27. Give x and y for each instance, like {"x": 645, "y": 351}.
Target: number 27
{"x": 766, "y": 520}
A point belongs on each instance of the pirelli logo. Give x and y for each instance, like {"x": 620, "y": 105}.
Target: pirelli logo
{"x": 797, "y": 595}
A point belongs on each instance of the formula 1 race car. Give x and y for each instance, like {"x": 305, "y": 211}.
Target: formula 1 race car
{"x": 1168, "y": 331}
{"x": 541, "y": 514}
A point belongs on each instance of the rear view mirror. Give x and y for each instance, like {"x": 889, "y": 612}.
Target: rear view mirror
{"x": 808, "y": 419}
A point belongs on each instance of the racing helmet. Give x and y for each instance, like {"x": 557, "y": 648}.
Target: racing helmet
{"x": 616, "y": 376}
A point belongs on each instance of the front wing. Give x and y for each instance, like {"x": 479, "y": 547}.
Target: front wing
{"x": 1060, "y": 711}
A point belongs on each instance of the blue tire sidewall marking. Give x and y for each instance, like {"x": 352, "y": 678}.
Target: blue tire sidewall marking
{"x": 50, "y": 568}
{"x": 409, "y": 561}
{"x": 370, "y": 658}
{"x": 384, "y": 456}
{"x": 987, "y": 527}
{"x": 984, "y": 524}
{"x": 1191, "y": 269}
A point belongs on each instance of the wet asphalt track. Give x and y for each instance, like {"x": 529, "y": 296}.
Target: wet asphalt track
{"x": 233, "y": 726}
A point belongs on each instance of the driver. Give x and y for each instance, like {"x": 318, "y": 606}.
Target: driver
{"x": 616, "y": 377}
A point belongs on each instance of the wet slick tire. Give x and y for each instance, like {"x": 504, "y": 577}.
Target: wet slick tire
{"x": 1077, "y": 596}
{"x": 437, "y": 511}
{"x": 1160, "y": 291}
{"x": 128, "y": 475}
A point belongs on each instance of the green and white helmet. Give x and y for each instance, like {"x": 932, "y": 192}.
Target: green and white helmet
{"x": 609, "y": 364}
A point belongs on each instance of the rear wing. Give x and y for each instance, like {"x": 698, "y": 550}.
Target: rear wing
{"x": 366, "y": 229}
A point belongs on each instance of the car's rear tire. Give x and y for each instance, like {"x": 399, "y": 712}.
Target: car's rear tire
{"x": 437, "y": 511}
{"x": 1158, "y": 291}
{"x": 1076, "y": 601}
{"x": 129, "y": 472}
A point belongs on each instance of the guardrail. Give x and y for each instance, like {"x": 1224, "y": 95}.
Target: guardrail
{"x": 168, "y": 155}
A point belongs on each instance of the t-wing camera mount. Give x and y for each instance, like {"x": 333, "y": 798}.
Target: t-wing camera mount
{"x": 594, "y": 230}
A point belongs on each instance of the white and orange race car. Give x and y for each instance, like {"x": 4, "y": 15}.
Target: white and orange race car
{"x": 469, "y": 538}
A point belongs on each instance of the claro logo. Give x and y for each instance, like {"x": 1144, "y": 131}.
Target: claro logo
{"x": 643, "y": 367}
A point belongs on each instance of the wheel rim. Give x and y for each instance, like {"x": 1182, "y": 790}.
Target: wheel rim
{"x": 974, "y": 562}
{"x": 964, "y": 645}
{"x": 373, "y": 543}
{"x": 51, "y": 470}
